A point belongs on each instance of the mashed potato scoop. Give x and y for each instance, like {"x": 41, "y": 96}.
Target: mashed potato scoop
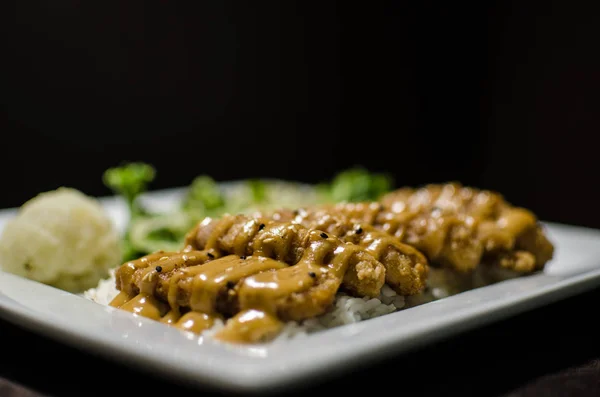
{"x": 61, "y": 238}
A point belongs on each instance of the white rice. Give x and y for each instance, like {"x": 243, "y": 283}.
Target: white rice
{"x": 105, "y": 291}
{"x": 346, "y": 309}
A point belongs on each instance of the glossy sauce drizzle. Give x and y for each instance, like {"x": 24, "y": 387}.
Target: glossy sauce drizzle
{"x": 452, "y": 225}
{"x": 191, "y": 290}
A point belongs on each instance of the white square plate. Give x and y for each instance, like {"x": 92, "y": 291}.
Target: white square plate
{"x": 171, "y": 353}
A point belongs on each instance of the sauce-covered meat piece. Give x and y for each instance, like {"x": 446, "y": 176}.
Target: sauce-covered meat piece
{"x": 454, "y": 226}
{"x": 500, "y": 233}
{"x": 283, "y": 241}
{"x": 406, "y": 267}
{"x": 252, "y": 273}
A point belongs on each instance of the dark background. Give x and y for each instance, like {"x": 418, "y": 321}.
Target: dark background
{"x": 501, "y": 95}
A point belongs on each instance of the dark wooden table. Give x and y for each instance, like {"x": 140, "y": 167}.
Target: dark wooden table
{"x": 551, "y": 351}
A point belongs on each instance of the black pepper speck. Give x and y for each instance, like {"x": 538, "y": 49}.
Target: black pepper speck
{"x": 324, "y": 235}
{"x": 312, "y": 274}
{"x": 159, "y": 269}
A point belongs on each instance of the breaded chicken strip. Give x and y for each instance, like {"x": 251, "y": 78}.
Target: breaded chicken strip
{"x": 406, "y": 267}
{"x": 283, "y": 241}
{"x": 454, "y": 226}
{"x": 243, "y": 248}
{"x": 292, "y": 273}
{"x": 500, "y": 233}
